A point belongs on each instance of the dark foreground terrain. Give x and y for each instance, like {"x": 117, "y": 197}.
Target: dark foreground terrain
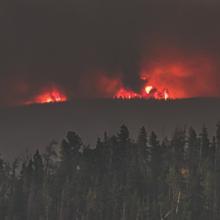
{"x": 32, "y": 127}
{"x": 116, "y": 179}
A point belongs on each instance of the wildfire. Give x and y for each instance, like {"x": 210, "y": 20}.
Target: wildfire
{"x": 149, "y": 92}
{"x": 126, "y": 94}
{"x": 51, "y": 95}
{"x": 162, "y": 80}
{"x": 148, "y": 89}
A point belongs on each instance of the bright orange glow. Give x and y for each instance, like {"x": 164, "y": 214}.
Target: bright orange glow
{"x": 180, "y": 76}
{"x": 172, "y": 78}
{"x": 149, "y": 92}
{"x": 148, "y": 89}
{"x": 51, "y": 95}
{"x": 124, "y": 93}
{"x": 166, "y": 94}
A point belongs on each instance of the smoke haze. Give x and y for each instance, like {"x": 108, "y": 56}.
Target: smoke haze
{"x": 90, "y": 48}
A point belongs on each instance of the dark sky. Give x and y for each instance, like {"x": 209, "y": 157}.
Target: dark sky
{"x": 70, "y": 42}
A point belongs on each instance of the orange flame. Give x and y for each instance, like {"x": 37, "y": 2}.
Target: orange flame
{"x": 148, "y": 89}
{"x": 149, "y": 92}
{"x": 124, "y": 93}
{"x": 51, "y": 95}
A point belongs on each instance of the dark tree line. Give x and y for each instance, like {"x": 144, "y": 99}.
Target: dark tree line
{"x": 119, "y": 179}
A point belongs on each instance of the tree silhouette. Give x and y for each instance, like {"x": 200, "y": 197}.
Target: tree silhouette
{"x": 117, "y": 179}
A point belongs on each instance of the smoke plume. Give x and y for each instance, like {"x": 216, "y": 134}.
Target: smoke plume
{"x": 92, "y": 48}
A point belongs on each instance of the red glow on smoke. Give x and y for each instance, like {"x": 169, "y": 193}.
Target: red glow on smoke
{"x": 149, "y": 91}
{"x": 51, "y": 95}
{"x": 161, "y": 79}
{"x": 174, "y": 77}
{"x": 171, "y": 81}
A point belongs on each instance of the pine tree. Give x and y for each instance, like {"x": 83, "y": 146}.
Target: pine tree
{"x": 193, "y": 150}
{"x": 4, "y": 202}
{"x": 178, "y": 144}
{"x": 70, "y": 155}
{"x": 123, "y": 135}
{"x": 197, "y": 207}
{"x": 156, "y": 168}
{"x": 204, "y": 144}
{"x": 38, "y": 170}
{"x": 217, "y": 175}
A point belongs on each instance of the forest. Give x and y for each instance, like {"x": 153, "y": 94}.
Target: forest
{"x": 176, "y": 178}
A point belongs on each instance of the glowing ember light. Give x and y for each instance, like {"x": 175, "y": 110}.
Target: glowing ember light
{"x": 149, "y": 92}
{"x": 126, "y": 94}
{"x": 49, "y": 96}
{"x": 166, "y": 94}
{"x": 148, "y": 89}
